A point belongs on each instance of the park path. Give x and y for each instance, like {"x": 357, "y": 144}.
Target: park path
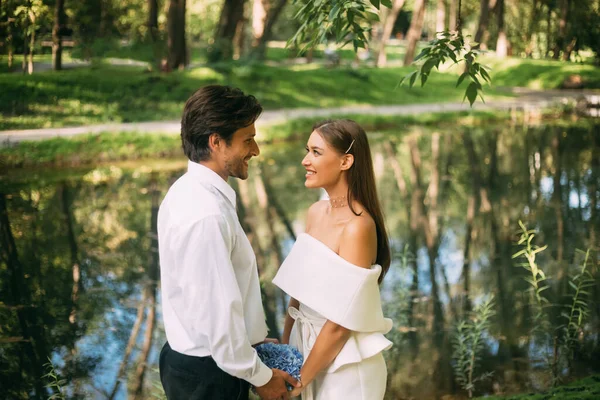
{"x": 525, "y": 100}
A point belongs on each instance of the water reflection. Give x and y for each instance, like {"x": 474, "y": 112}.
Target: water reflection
{"x": 79, "y": 270}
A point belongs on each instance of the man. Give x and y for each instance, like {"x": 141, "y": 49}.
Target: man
{"x": 211, "y": 298}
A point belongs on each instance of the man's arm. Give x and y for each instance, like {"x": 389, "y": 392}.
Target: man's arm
{"x": 215, "y": 308}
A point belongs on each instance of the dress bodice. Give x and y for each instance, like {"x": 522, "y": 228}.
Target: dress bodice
{"x": 330, "y": 288}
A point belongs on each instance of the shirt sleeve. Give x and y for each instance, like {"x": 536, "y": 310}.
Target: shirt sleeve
{"x": 214, "y": 307}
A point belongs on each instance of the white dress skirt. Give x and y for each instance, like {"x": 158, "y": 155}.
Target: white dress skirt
{"x": 330, "y": 288}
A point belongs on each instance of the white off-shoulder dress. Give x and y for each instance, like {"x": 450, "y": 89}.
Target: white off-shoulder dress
{"x": 331, "y": 288}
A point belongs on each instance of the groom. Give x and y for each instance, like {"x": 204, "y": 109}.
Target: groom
{"x": 211, "y": 299}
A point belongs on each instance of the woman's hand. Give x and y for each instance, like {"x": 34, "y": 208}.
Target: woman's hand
{"x": 296, "y": 391}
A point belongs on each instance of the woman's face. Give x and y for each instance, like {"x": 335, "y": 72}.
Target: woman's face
{"x": 322, "y": 163}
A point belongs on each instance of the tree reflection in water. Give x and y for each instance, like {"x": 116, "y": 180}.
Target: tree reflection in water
{"x": 79, "y": 268}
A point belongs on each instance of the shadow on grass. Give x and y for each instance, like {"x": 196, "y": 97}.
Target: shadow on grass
{"x": 125, "y": 94}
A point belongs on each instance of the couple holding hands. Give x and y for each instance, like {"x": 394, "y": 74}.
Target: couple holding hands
{"x": 211, "y": 299}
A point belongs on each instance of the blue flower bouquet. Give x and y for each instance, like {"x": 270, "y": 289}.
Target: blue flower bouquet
{"x": 281, "y": 356}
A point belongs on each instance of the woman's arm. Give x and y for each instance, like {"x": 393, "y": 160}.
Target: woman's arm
{"x": 329, "y": 343}
{"x": 289, "y": 322}
{"x": 358, "y": 246}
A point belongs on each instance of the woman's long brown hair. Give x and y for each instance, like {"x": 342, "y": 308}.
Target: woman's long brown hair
{"x": 347, "y": 137}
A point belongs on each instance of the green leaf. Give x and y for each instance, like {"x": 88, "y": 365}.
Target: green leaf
{"x": 387, "y": 3}
{"x": 471, "y": 93}
{"x": 413, "y": 78}
{"x": 375, "y": 3}
{"x": 422, "y": 54}
{"x": 429, "y": 64}
{"x": 485, "y": 75}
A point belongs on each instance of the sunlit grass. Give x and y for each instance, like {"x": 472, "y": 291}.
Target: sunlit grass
{"x": 104, "y": 93}
{"x": 119, "y": 146}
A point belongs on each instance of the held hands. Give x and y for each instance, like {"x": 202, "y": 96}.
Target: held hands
{"x": 276, "y": 388}
{"x": 296, "y": 391}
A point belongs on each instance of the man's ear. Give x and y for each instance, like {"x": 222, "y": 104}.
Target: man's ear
{"x": 215, "y": 141}
{"x": 347, "y": 162}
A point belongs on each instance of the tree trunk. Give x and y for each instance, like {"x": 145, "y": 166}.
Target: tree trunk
{"x": 76, "y": 265}
{"x": 231, "y": 14}
{"x": 478, "y": 201}
{"x": 151, "y": 287}
{"x": 502, "y": 42}
{"x": 19, "y": 294}
{"x": 562, "y": 29}
{"x": 412, "y": 243}
{"x": 418, "y": 214}
{"x": 31, "y": 45}
{"x": 177, "y": 57}
{"x": 453, "y": 14}
{"x": 388, "y": 28}
{"x": 10, "y": 48}
{"x": 260, "y": 50}
{"x": 481, "y": 36}
{"x": 274, "y": 203}
{"x": 501, "y": 261}
{"x": 59, "y": 11}
{"x": 569, "y": 49}
{"x": 259, "y": 19}
{"x": 239, "y": 39}
{"x": 415, "y": 30}
{"x": 548, "y": 31}
{"x": 130, "y": 345}
{"x": 536, "y": 13}
{"x": 593, "y": 190}
{"x": 247, "y": 219}
{"x": 153, "y": 20}
{"x": 440, "y": 16}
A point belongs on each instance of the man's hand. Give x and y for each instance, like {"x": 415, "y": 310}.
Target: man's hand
{"x": 275, "y": 388}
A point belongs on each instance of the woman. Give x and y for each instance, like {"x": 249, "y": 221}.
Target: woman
{"x": 333, "y": 271}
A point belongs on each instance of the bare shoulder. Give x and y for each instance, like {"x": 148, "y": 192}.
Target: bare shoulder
{"x": 358, "y": 242}
{"x": 315, "y": 211}
{"x": 360, "y": 226}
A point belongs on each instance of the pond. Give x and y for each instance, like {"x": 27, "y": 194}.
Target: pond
{"x": 79, "y": 268}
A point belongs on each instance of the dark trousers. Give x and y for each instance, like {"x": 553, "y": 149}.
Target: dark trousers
{"x": 197, "y": 378}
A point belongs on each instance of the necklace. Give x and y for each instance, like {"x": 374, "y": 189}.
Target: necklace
{"x": 338, "y": 202}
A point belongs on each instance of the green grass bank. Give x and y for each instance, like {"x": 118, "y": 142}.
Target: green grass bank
{"x": 121, "y": 146}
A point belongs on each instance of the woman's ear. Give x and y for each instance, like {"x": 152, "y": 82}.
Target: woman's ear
{"x": 347, "y": 162}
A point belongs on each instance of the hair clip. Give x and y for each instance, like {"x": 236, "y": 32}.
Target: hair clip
{"x": 349, "y": 147}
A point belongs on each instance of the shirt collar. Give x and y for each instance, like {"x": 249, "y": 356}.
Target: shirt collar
{"x": 211, "y": 177}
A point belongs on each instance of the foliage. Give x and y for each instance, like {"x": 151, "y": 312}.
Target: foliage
{"x": 345, "y": 20}
{"x": 578, "y": 310}
{"x": 55, "y": 383}
{"x": 564, "y": 339}
{"x": 583, "y": 389}
{"x": 468, "y": 345}
{"x": 451, "y": 46}
{"x": 87, "y": 149}
{"x": 537, "y": 280}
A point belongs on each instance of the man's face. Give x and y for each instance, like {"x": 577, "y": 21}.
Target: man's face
{"x": 242, "y": 148}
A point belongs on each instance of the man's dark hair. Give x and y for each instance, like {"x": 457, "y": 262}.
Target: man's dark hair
{"x": 215, "y": 109}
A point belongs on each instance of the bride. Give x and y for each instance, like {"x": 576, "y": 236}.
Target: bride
{"x": 333, "y": 272}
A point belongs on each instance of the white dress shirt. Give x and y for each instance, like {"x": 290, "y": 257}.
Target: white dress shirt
{"x": 211, "y": 301}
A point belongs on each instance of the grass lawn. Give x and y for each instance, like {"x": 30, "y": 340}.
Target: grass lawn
{"x": 124, "y": 94}
{"x": 104, "y": 147}
{"x": 104, "y": 93}
{"x": 584, "y": 389}
{"x": 540, "y": 74}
